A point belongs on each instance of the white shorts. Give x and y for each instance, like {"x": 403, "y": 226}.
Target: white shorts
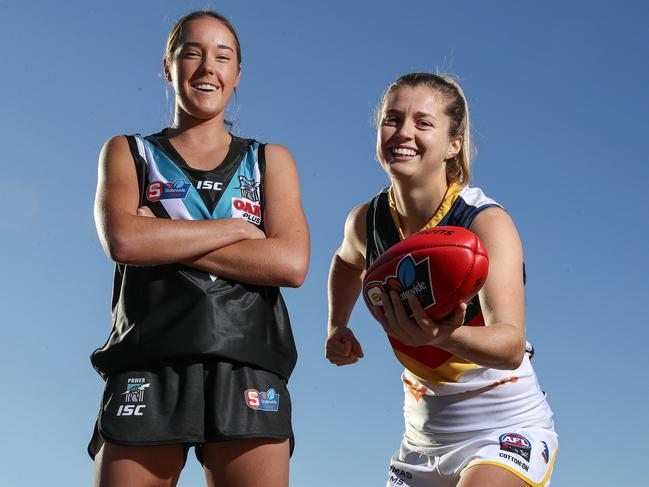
{"x": 528, "y": 452}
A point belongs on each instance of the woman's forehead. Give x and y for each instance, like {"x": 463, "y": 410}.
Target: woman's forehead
{"x": 414, "y": 97}
{"x": 207, "y": 30}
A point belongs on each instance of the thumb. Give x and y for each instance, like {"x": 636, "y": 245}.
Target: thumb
{"x": 356, "y": 348}
{"x": 457, "y": 318}
{"x": 145, "y": 211}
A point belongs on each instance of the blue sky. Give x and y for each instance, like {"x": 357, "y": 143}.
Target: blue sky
{"x": 558, "y": 96}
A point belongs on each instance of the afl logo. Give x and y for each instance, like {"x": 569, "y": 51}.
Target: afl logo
{"x": 516, "y": 443}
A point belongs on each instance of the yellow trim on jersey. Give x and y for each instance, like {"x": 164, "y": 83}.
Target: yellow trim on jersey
{"x": 517, "y": 473}
{"x": 449, "y": 371}
{"x": 452, "y": 192}
{"x": 452, "y": 369}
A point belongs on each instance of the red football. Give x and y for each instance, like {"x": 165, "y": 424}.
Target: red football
{"x": 443, "y": 267}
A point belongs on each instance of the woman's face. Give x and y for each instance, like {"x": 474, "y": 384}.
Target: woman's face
{"x": 412, "y": 137}
{"x": 204, "y": 68}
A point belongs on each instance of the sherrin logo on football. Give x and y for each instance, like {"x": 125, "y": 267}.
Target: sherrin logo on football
{"x": 373, "y": 292}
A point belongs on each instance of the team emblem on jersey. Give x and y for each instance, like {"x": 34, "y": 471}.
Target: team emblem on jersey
{"x": 158, "y": 190}
{"x": 135, "y": 388}
{"x": 134, "y": 393}
{"x": 262, "y": 401}
{"x": 546, "y": 452}
{"x": 515, "y": 443}
{"x": 249, "y": 189}
{"x": 246, "y": 209}
{"x": 411, "y": 278}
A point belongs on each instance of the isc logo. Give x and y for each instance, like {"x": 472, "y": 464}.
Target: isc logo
{"x": 215, "y": 185}
{"x": 130, "y": 410}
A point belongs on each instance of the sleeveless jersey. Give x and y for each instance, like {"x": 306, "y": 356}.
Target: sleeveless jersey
{"x": 440, "y": 371}
{"x": 168, "y": 311}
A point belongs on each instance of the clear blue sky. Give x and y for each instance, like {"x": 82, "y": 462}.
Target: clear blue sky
{"x": 559, "y": 99}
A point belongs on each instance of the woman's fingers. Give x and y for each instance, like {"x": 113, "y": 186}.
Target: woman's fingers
{"x": 422, "y": 319}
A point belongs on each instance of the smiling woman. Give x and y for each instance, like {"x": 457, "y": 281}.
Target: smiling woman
{"x": 197, "y": 41}
{"x": 474, "y": 412}
{"x": 204, "y": 227}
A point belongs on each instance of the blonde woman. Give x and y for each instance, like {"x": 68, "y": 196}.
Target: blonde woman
{"x": 474, "y": 412}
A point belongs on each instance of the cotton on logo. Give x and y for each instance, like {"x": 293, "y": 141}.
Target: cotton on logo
{"x": 131, "y": 410}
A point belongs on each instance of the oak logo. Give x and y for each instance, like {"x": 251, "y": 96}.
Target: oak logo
{"x": 246, "y": 209}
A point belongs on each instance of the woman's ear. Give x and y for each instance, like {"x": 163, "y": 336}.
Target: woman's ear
{"x": 454, "y": 147}
{"x": 166, "y": 69}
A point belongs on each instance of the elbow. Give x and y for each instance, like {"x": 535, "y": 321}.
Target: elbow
{"x": 514, "y": 362}
{"x": 295, "y": 274}
{"x": 515, "y": 358}
{"x": 118, "y": 253}
{"x": 120, "y": 250}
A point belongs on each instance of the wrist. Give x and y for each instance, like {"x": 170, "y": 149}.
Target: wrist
{"x": 336, "y": 325}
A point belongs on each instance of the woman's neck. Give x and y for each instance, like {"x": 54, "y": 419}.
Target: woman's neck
{"x": 417, "y": 202}
{"x": 188, "y": 130}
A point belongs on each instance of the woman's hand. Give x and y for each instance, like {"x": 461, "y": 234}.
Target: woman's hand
{"x": 145, "y": 211}
{"x": 342, "y": 348}
{"x": 246, "y": 229}
{"x": 418, "y": 331}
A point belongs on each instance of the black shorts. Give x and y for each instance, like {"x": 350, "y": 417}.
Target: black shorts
{"x": 191, "y": 403}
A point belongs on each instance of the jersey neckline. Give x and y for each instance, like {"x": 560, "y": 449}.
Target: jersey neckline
{"x": 236, "y": 151}
{"x": 452, "y": 192}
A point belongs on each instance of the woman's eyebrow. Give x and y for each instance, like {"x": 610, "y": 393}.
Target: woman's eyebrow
{"x": 198, "y": 44}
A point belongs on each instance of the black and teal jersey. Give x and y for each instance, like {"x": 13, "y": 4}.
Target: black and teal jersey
{"x": 168, "y": 311}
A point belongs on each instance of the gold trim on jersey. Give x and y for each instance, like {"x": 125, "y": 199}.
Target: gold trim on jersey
{"x": 452, "y": 192}
{"x": 548, "y": 472}
{"x": 453, "y": 369}
{"x": 449, "y": 371}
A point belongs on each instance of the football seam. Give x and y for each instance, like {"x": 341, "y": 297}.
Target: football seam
{"x": 466, "y": 277}
{"x": 431, "y": 246}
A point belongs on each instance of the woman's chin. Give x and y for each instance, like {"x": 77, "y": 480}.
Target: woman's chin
{"x": 401, "y": 170}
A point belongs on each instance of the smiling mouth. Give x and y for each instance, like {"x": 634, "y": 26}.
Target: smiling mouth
{"x": 205, "y": 87}
{"x": 403, "y": 152}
